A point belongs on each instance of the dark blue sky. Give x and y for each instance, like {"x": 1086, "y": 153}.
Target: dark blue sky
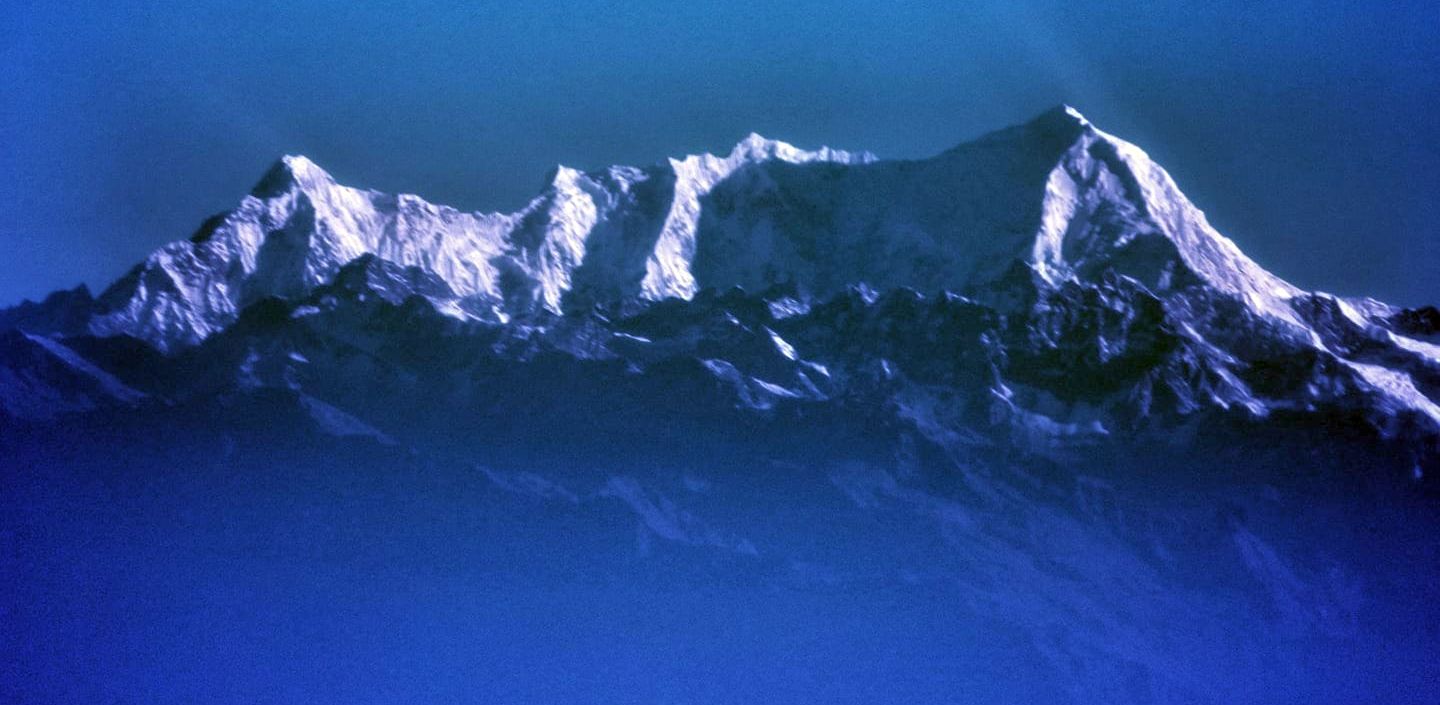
{"x": 1307, "y": 130}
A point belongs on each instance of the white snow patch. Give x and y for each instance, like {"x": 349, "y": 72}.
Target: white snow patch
{"x": 1396, "y": 385}
{"x": 785, "y": 348}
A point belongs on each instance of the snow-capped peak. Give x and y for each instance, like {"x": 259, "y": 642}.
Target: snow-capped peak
{"x": 1062, "y": 123}
{"x": 1108, "y": 204}
{"x": 757, "y": 148}
{"x": 303, "y": 167}
{"x": 1073, "y": 113}
{"x": 289, "y": 172}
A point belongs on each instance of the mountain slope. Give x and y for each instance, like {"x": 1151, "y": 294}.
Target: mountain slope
{"x": 42, "y": 379}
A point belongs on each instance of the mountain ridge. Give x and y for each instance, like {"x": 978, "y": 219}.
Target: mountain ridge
{"x": 1060, "y": 230}
{"x": 656, "y": 215}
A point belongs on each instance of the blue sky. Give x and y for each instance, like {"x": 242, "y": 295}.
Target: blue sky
{"x": 1306, "y": 130}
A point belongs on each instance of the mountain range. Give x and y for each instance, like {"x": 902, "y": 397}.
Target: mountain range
{"x": 1065, "y": 236}
{"x": 1032, "y": 351}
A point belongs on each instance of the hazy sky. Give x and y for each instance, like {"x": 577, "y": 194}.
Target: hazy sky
{"x": 1308, "y": 131}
